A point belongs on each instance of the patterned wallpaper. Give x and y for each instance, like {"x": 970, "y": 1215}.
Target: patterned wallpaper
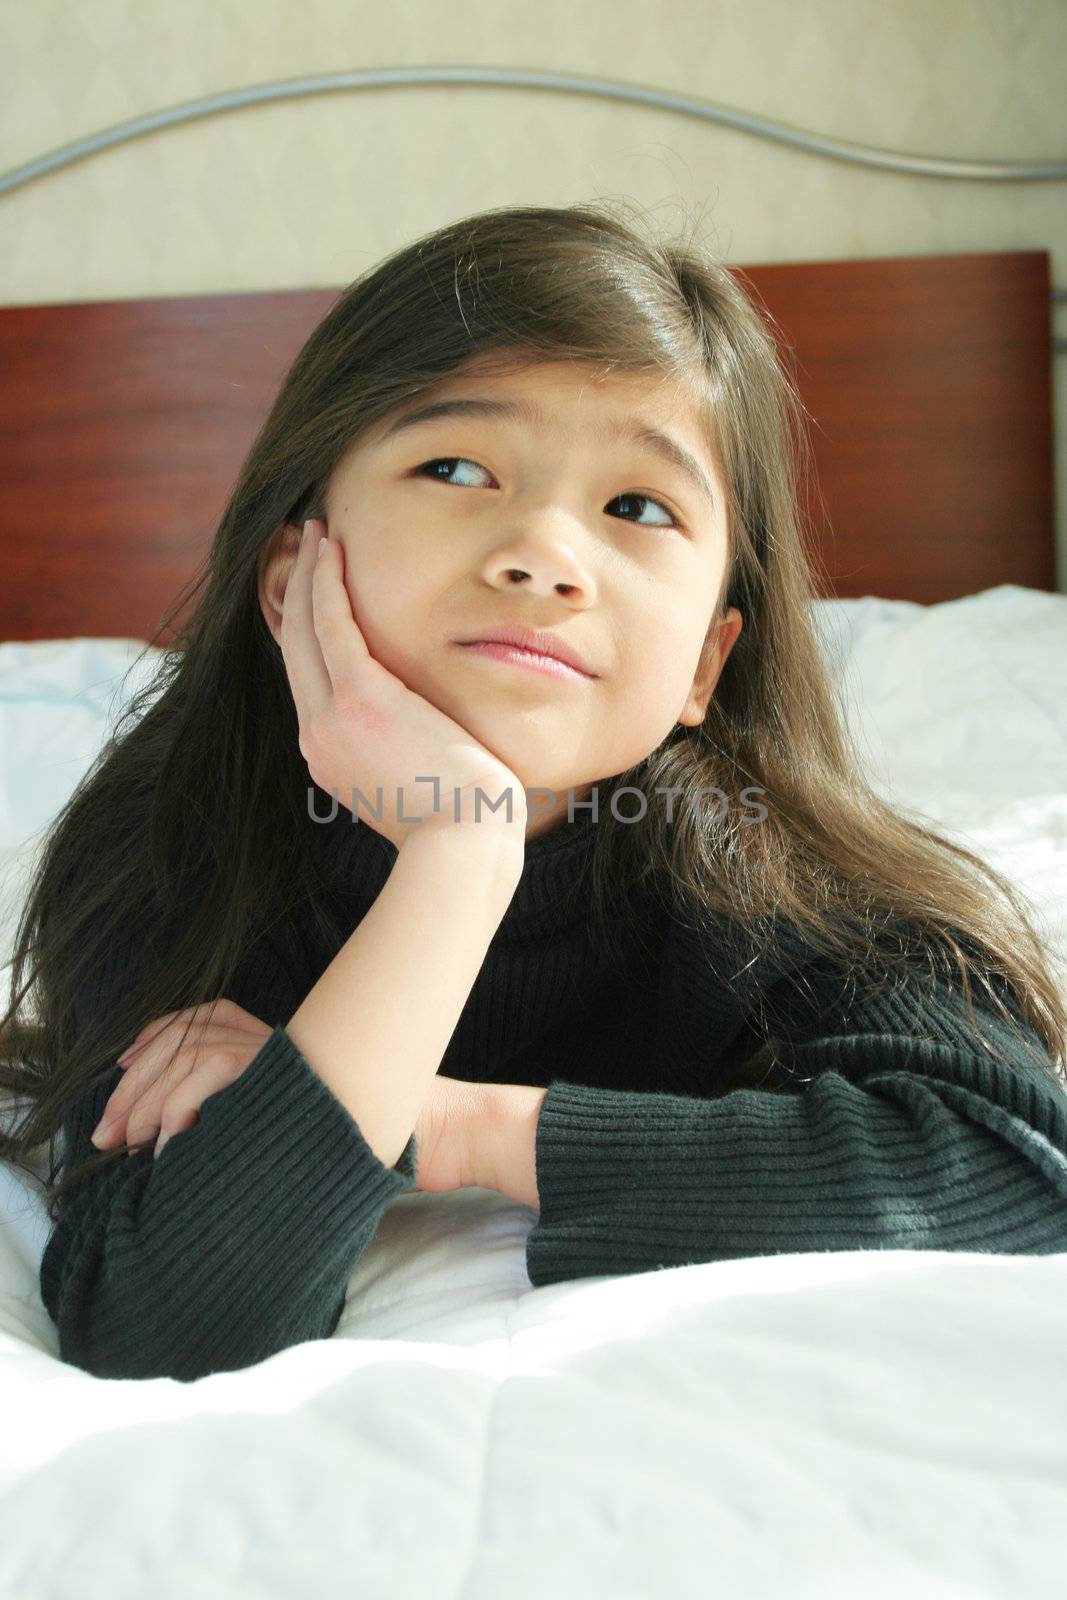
{"x": 311, "y": 191}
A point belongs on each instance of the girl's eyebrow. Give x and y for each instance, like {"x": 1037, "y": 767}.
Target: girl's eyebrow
{"x": 610, "y": 431}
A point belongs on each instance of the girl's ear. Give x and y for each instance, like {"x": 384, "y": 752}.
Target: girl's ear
{"x": 720, "y": 642}
{"x": 273, "y": 567}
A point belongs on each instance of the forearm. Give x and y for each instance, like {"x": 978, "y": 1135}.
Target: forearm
{"x": 376, "y": 1025}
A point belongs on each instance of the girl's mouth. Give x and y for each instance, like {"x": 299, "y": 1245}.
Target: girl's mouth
{"x": 512, "y": 655}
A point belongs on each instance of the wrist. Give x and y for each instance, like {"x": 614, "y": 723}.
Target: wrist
{"x": 494, "y": 851}
{"x": 507, "y": 1141}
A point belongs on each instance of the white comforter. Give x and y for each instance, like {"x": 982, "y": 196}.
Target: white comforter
{"x": 859, "y": 1424}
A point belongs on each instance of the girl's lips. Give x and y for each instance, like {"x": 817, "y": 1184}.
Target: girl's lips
{"x": 511, "y": 655}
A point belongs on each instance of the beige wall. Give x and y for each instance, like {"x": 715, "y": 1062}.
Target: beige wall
{"x": 311, "y": 191}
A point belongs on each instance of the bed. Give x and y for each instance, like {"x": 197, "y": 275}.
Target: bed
{"x": 852, "y": 1423}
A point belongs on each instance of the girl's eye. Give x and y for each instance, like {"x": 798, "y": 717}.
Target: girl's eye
{"x": 452, "y": 461}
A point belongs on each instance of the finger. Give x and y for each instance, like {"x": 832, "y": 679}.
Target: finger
{"x": 142, "y": 1038}
{"x": 145, "y": 1066}
{"x": 160, "y": 1025}
{"x": 343, "y": 646}
{"x": 304, "y": 664}
{"x": 146, "y": 1115}
{"x": 157, "y": 1071}
{"x": 193, "y": 1018}
{"x": 180, "y": 1109}
{"x": 143, "y": 1052}
{"x": 190, "y": 1122}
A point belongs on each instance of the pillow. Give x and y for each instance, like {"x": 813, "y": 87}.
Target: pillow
{"x": 958, "y": 712}
{"x": 59, "y": 700}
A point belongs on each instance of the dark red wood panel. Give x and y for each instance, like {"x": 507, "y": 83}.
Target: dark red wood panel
{"x": 929, "y": 382}
{"x": 123, "y": 425}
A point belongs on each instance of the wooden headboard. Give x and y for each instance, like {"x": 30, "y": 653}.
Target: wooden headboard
{"x": 927, "y": 380}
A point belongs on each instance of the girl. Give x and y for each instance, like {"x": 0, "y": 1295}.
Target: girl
{"x": 696, "y": 989}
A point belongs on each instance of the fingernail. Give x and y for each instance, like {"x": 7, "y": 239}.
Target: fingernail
{"x": 100, "y": 1134}
{"x": 308, "y": 527}
{"x": 322, "y": 546}
{"x": 160, "y": 1142}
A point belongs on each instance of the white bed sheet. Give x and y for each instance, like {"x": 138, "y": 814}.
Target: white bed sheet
{"x": 848, "y": 1423}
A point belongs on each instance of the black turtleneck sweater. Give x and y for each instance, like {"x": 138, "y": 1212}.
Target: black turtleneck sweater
{"x": 893, "y": 1129}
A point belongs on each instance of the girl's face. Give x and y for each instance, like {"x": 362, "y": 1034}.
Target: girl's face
{"x": 623, "y": 556}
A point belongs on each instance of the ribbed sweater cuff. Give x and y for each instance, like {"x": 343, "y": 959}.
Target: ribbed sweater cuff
{"x": 238, "y": 1241}
{"x": 632, "y": 1182}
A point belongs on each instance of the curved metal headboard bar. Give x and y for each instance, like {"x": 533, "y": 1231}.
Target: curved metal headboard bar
{"x": 564, "y": 83}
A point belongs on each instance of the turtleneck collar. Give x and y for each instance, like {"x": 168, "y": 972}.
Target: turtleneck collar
{"x": 357, "y": 860}
{"x": 552, "y": 891}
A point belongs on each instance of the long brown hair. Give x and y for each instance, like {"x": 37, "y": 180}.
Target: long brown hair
{"x": 211, "y": 741}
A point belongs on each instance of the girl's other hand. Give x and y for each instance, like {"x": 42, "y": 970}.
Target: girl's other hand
{"x": 362, "y": 728}
{"x": 163, "y": 1089}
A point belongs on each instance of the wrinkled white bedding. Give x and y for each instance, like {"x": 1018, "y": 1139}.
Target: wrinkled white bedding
{"x": 846, "y": 1424}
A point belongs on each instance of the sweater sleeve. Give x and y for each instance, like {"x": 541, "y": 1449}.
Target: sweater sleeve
{"x": 236, "y": 1243}
{"x": 895, "y": 1143}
